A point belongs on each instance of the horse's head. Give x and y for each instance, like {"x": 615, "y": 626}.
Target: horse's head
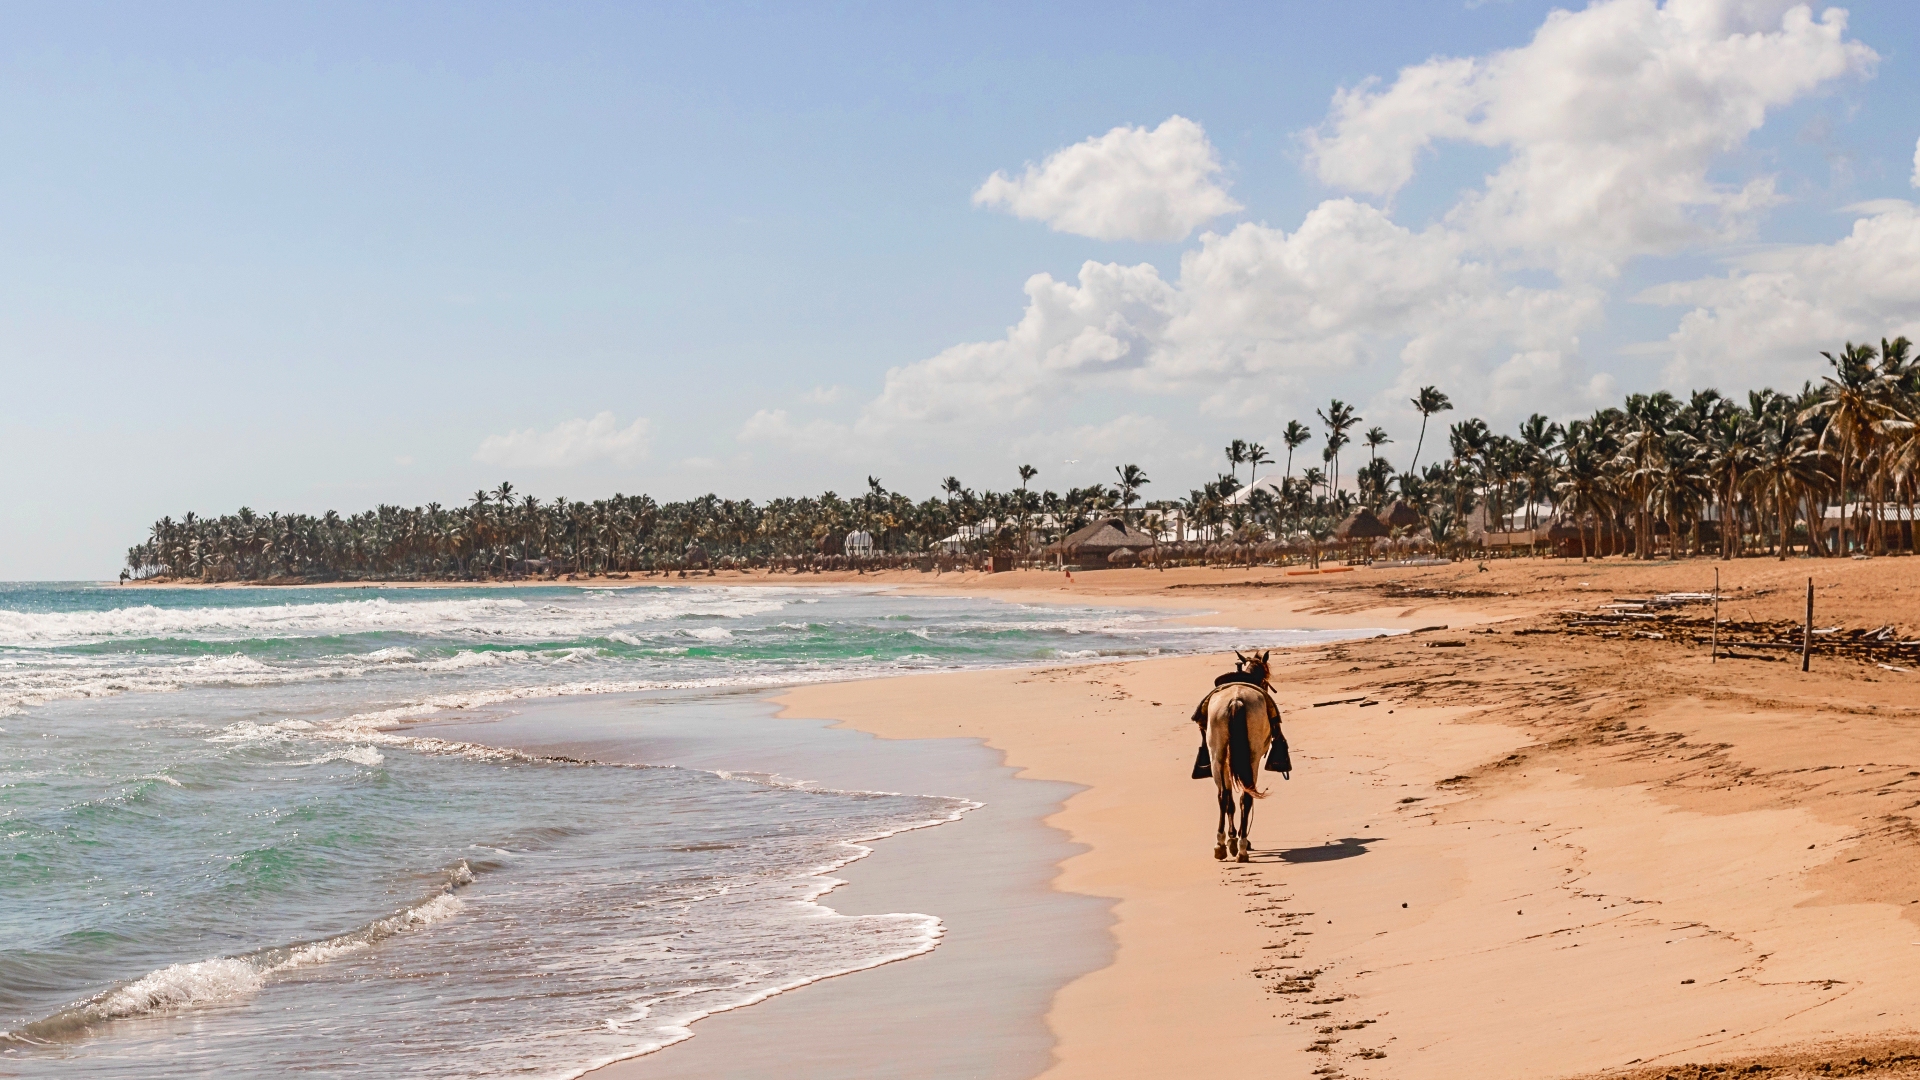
{"x": 1255, "y": 664}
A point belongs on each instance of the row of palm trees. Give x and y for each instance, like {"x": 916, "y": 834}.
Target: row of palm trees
{"x": 1706, "y": 473}
{"x": 504, "y": 533}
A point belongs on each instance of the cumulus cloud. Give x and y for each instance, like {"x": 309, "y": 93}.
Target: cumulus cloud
{"x": 579, "y": 441}
{"x": 1916, "y": 164}
{"x": 1611, "y": 116}
{"x": 1095, "y": 448}
{"x": 1107, "y": 324}
{"x": 1256, "y": 315}
{"x": 1766, "y": 320}
{"x": 1129, "y": 184}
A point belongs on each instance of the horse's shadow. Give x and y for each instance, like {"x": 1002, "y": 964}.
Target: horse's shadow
{"x": 1345, "y": 848}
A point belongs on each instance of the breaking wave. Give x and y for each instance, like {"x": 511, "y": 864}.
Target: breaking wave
{"x": 223, "y": 978}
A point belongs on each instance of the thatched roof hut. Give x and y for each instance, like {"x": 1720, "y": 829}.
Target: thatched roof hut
{"x": 1363, "y": 525}
{"x": 1402, "y": 516}
{"x": 1100, "y": 541}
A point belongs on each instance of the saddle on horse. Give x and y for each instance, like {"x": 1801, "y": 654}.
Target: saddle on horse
{"x": 1278, "y": 760}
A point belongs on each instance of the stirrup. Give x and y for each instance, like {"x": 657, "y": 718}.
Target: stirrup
{"x": 1202, "y": 769}
{"x": 1278, "y": 760}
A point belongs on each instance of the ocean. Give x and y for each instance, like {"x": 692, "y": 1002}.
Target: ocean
{"x": 232, "y": 846}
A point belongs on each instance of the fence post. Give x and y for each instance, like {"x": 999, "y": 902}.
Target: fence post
{"x": 1806, "y": 639}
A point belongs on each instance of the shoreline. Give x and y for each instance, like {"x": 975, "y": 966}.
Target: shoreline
{"x": 986, "y": 874}
{"x": 1529, "y": 853}
{"x": 1613, "y": 855}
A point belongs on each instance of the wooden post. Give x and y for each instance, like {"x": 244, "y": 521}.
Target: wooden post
{"x": 1716, "y": 616}
{"x": 1806, "y": 640}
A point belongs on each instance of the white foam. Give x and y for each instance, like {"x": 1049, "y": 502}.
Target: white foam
{"x": 358, "y": 755}
{"x": 162, "y": 777}
{"x": 224, "y": 978}
{"x": 587, "y": 614}
{"x": 177, "y": 985}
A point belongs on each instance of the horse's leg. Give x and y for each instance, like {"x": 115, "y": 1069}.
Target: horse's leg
{"x": 1226, "y": 821}
{"x": 1246, "y": 820}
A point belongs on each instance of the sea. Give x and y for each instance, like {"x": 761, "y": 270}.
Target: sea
{"x": 232, "y": 844}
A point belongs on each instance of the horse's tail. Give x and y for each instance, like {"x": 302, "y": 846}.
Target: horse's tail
{"x": 1240, "y": 763}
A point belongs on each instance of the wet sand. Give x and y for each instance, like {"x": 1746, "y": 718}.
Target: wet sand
{"x": 976, "y": 1006}
{"x": 1532, "y": 855}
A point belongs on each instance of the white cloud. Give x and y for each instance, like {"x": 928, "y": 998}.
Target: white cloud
{"x": 1612, "y": 117}
{"x": 1766, "y": 320}
{"x": 1109, "y": 323}
{"x": 1129, "y": 184}
{"x": 571, "y": 442}
{"x": 1916, "y": 164}
{"x": 1256, "y": 317}
{"x": 821, "y": 438}
{"x": 1096, "y": 448}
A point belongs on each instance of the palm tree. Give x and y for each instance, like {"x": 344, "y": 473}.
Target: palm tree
{"x": 1732, "y": 441}
{"x": 1851, "y": 404}
{"x": 1582, "y": 478}
{"x": 1236, "y": 456}
{"x": 1540, "y": 439}
{"x": 1644, "y": 461}
{"x": 1295, "y": 436}
{"x": 1132, "y": 479}
{"x": 1375, "y": 438}
{"x": 1467, "y": 440}
{"x": 1256, "y": 456}
{"x": 1027, "y": 473}
{"x": 1338, "y": 417}
{"x": 1786, "y": 462}
{"x": 1427, "y": 402}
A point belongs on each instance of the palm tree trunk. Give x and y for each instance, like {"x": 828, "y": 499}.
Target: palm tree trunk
{"x": 1844, "y": 455}
{"x": 1780, "y": 496}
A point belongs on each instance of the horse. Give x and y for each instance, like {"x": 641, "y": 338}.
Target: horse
{"x": 1239, "y": 731}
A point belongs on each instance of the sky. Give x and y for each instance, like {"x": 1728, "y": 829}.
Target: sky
{"x": 303, "y": 257}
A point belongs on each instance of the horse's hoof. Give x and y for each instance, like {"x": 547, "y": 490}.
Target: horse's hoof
{"x": 1243, "y": 854}
{"x": 1220, "y": 851}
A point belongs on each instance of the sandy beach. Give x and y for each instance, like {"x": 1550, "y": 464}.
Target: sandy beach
{"x": 1518, "y": 846}
{"x": 1525, "y": 855}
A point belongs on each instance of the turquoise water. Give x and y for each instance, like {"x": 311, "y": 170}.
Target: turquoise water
{"x": 227, "y": 851}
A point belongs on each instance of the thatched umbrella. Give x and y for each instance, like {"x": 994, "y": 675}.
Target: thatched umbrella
{"x": 1402, "y": 516}
{"x": 1363, "y": 525}
{"x": 1094, "y": 545}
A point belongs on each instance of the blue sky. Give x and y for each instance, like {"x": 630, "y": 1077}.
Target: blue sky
{"x": 301, "y": 257}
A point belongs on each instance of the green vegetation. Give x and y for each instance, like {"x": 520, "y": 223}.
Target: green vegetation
{"x": 1657, "y": 475}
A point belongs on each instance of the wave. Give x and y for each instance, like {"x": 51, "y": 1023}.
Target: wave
{"x": 925, "y": 931}
{"x": 223, "y": 978}
{"x": 358, "y": 755}
{"x": 486, "y": 616}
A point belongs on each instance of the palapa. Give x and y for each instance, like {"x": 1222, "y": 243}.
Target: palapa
{"x": 1402, "y": 516}
{"x": 1099, "y": 542}
{"x": 1363, "y": 525}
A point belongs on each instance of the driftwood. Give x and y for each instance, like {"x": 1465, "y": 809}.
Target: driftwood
{"x": 1878, "y": 645}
